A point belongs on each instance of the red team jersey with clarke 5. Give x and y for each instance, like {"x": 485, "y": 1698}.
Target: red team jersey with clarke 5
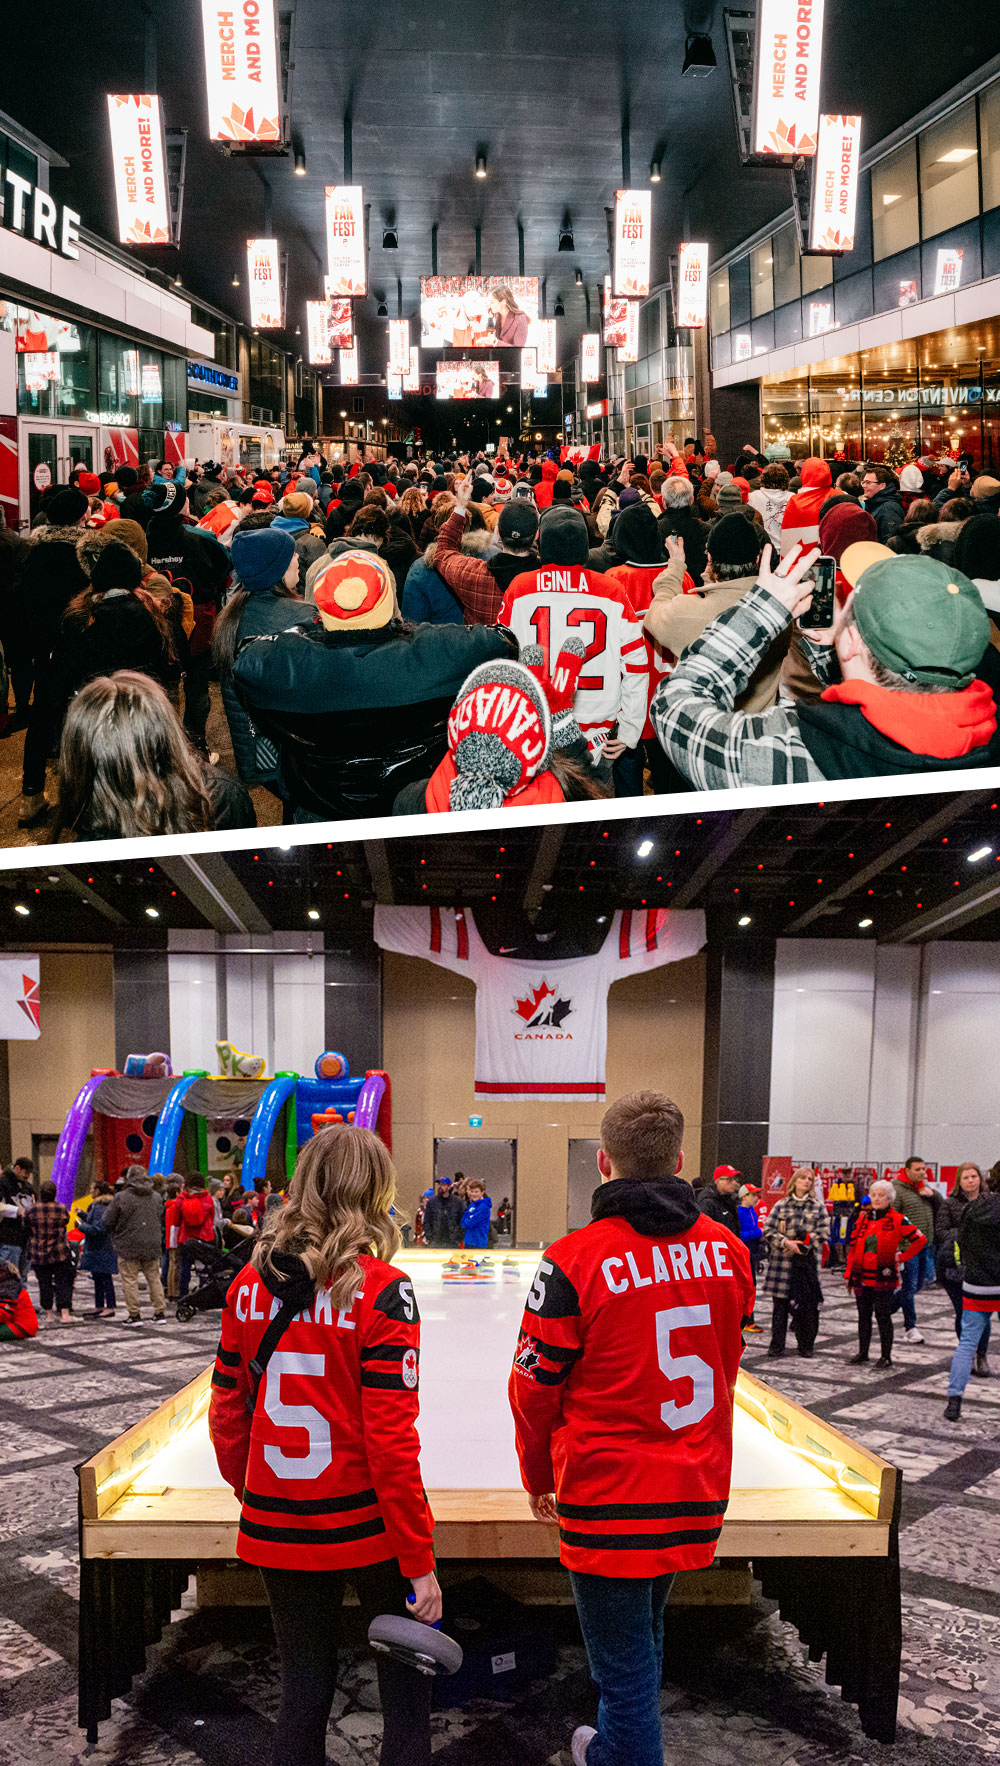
{"x": 624, "y": 1376}
{"x": 541, "y": 1023}
{"x": 328, "y": 1467}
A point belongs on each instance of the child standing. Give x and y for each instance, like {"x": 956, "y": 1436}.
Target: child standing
{"x": 99, "y": 1257}
{"x": 477, "y": 1217}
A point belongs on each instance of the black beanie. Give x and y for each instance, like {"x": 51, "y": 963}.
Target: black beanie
{"x": 352, "y": 491}
{"x": 169, "y": 498}
{"x": 563, "y": 537}
{"x": 127, "y": 478}
{"x": 116, "y": 567}
{"x": 65, "y": 508}
{"x": 635, "y": 535}
{"x": 734, "y": 540}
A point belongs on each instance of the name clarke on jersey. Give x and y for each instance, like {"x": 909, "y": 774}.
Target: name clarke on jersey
{"x": 620, "y": 1280}
{"x": 321, "y": 1311}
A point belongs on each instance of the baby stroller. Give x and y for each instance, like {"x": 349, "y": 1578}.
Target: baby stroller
{"x": 216, "y": 1266}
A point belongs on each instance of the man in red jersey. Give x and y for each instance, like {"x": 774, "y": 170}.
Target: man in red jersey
{"x": 622, "y": 1393}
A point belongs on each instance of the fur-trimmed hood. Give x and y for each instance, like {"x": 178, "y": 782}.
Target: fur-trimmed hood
{"x": 936, "y": 532}
{"x": 50, "y": 536}
{"x": 477, "y": 543}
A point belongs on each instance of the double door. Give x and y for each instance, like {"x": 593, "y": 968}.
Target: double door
{"x": 49, "y": 449}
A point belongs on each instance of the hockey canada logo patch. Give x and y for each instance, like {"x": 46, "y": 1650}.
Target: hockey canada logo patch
{"x": 527, "y": 1357}
{"x": 410, "y": 1369}
{"x": 544, "y": 1014}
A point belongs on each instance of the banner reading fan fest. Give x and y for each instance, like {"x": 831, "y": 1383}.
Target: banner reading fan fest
{"x": 140, "y": 171}
{"x": 633, "y": 210}
{"x": 241, "y": 71}
{"x": 788, "y": 63}
{"x": 345, "y": 240}
{"x": 264, "y": 277}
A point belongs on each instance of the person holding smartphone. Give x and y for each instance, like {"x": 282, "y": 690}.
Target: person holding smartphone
{"x": 322, "y": 1447}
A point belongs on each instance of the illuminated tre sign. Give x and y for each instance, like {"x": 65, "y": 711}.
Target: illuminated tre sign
{"x": 32, "y": 213}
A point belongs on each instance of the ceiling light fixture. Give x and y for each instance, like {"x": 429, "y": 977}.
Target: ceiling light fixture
{"x": 980, "y": 852}
{"x": 300, "y": 164}
{"x": 383, "y": 311}
{"x": 744, "y": 920}
{"x": 480, "y": 165}
{"x": 566, "y": 236}
{"x": 19, "y": 908}
{"x": 644, "y": 849}
{"x": 236, "y": 280}
{"x": 390, "y": 239}
{"x": 559, "y": 310}
{"x": 863, "y": 924}
{"x": 314, "y": 913}
{"x": 699, "y": 58}
{"x": 154, "y": 913}
{"x": 654, "y": 171}
{"x": 579, "y": 278}
{"x": 955, "y": 156}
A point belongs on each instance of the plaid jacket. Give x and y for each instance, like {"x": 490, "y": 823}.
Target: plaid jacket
{"x": 47, "y": 1223}
{"x": 789, "y": 1219}
{"x": 692, "y": 711}
{"x": 471, "y": 579}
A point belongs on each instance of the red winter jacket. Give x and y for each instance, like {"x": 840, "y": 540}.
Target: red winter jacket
{"x": 800, "y": 521}
{"x": 197, "y": 1217}
{"x": 328, "y": 1467}
{"x": 623, "y": 1380}
{"x": 18, "y": 1318}
{"x": 877, "y": 1241}
{"x": 543, "y": 491}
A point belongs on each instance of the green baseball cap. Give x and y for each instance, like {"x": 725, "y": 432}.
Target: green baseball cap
{"x": 922, "y": 619}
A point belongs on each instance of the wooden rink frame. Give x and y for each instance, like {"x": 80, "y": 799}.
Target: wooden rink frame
{"x": 826, "y": 1550}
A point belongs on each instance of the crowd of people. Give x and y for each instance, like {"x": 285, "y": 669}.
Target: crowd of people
{"x": 146, "y": 1228}
{"x": 457, "y": 1213}
{"x": 897, "y": 1237}
{"x": 457, "y": 632}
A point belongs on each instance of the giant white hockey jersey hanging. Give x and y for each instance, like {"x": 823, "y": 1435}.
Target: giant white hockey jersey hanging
{"x": 541, "y": 1024}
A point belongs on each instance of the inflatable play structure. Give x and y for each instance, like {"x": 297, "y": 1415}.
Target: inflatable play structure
{"x": 236, "y": 1120}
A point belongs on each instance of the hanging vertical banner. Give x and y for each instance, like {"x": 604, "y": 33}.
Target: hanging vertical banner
{"x": 318, "y": 329}
{"x": 393, "y": 383}
{"x": 789, "y": 54}
{"x": 545, "y": 346}
{"x": 399, "y": 345}
{"x": 629, "y": 350}
{"x": 241, "y": 71}
{"x": 835, "y": 184}
{"x": 140, "y": 168}
{"x": 532, "y": 379}
{"x": 264, "y": 277}
{"x": 590, "y": 357}
{"x": 948, "y": 275}
{"x": 345, "y": 240}
{"x": 349, "y": 366}
{"x": 692, "y": 293}
{"x": 20, "y": 1006}
{"x": 411, "y": 379}
{"x": 633, "y": 211}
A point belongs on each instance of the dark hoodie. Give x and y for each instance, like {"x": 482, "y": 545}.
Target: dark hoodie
{"x": 656, "y": 1207}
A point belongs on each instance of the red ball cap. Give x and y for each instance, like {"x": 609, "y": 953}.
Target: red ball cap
{"x": 725, "y": 1171}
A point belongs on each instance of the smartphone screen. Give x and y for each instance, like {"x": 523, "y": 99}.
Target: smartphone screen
{"x": 821, "y": 612}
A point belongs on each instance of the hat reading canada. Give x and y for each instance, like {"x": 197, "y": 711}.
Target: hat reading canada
{"x": 355, "y": 591}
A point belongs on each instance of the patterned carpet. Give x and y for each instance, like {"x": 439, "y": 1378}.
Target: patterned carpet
{"x": 737, "y": 1683}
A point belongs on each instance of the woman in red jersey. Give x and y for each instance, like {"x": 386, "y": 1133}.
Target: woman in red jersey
{"x": 322, "y": 1448}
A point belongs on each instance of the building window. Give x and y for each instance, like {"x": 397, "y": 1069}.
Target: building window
{"x": 989, "y": 133}
{"x": 895, "y": 207}
{"x": 816, "y": 273}
{"x": 718, "y": 297}
{"x": 949, "y": 171}
{"x": 785, "y": 269}
{"x": 357, "y": 404}
{"x": 761, "y": 284}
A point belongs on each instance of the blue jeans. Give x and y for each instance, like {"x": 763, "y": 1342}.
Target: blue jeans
{"x": 622, "y": 1623}
{"x": 912, "y": 1280}
{"x": 975, "y": 1326}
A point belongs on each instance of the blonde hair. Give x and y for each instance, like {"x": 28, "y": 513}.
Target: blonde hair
{"x": 800, "y": 1171}
{"x": 340, "y": 1204}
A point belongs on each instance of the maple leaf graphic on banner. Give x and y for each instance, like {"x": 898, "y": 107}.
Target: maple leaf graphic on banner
{"x": 30, "y": 1004}
{"x": 241, "y": 126}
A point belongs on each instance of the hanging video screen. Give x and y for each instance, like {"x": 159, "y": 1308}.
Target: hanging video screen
{"x": 468, "y": 380}
{"x": 478, "y": 312}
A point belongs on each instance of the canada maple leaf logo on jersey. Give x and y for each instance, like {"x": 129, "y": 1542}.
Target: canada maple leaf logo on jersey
{"x": 541, "y": 1007}
{"x": 527, "y": 1356}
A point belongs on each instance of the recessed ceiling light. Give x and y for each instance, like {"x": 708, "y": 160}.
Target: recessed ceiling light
{"x": 980, "y": 852}
{"x": 864, "y": 923}
{"x": 314, "y": 913}
{"x": 645, "y": 849}
{"x": 886, "y": 200}
{"x": 744, "y": 920}
{"x": 19, "y": 908}
{"x": 955, "y": 156}
{"x": 154, "y": 913}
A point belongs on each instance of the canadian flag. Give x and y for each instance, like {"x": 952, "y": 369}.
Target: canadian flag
{"x": 20, "y": 1012}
